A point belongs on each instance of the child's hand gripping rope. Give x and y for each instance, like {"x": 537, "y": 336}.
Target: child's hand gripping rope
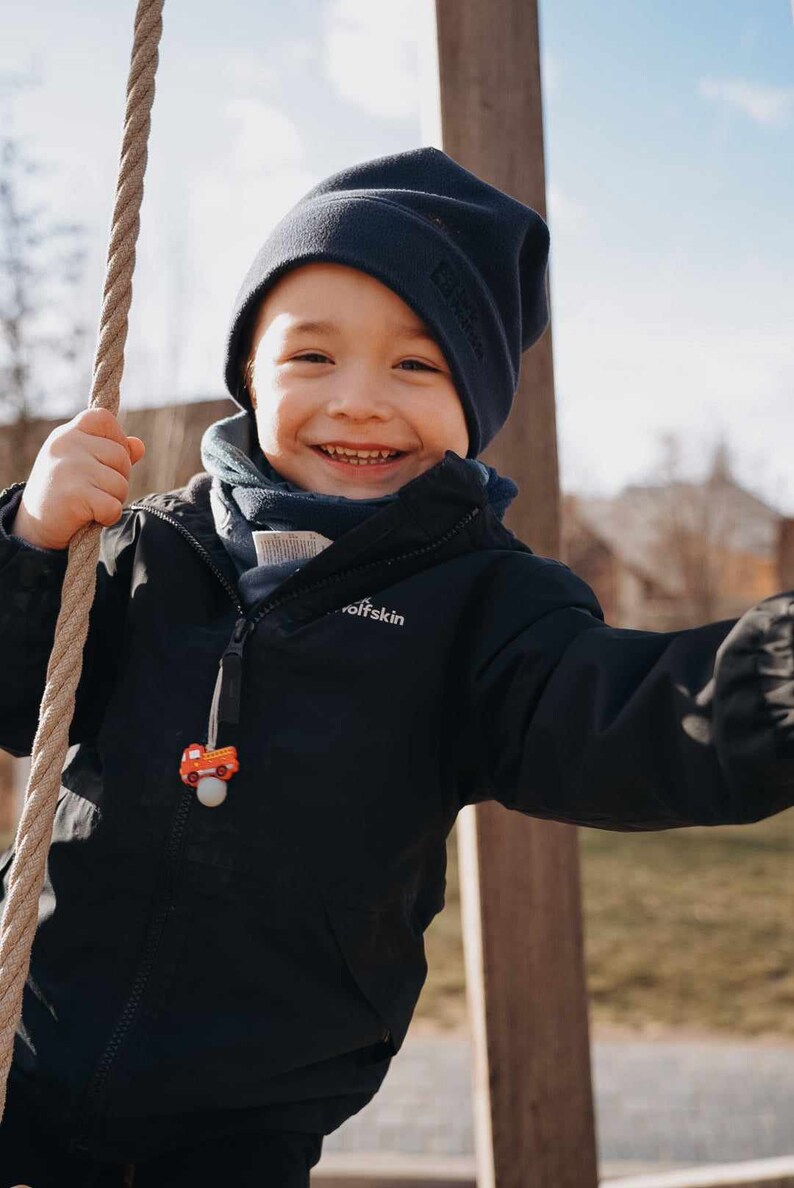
{"x": 81, "y": 474}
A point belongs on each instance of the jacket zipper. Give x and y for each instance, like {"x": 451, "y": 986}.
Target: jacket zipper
{"x": 197, "y": 546}
{"x": 243, "y": 628}
{"x": 232, "y": 673}
{"x": 277, "y": 601}
{"x": 232, "y": 658}
{"x": 12, "y": 489}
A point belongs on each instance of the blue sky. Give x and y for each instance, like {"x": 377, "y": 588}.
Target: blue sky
{"x": 670, "y": 165}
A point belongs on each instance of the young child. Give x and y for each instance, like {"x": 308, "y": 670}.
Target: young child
{"x": 230, "y": 950}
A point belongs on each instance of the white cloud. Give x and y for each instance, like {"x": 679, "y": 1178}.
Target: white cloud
{"x": 233, "y": 206}
{"x": 264, "y": 138}
{"x": 238, "y": 71}
{"x": 371, "y": 54}
{"x": 768, "y": 106}
{"x": 565, "y": 214}
{"x": 297, "y": 52}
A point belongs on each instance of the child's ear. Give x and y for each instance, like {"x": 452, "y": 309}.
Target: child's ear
{"x": 246, "y": 384}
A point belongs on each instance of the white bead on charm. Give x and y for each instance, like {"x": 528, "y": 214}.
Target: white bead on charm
{"x": 211, "y": 791}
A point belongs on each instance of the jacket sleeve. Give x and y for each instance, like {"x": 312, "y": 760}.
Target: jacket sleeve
{"x": 580, "y": 722}
{"x": 30, "y": 595}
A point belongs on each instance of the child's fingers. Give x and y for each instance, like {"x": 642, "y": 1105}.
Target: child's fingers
{"x": 100, "y": 422}
{"x": 136, "y": 449}
{"x": 113, "y": 454}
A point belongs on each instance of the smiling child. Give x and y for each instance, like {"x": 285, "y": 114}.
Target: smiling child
{"x": 300, "y": 668}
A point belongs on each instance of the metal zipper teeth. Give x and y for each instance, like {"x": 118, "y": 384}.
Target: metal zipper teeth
{"x": 199, "y": 548}
{"x": 10, "y": 490}
{"x": 155, "y": 935}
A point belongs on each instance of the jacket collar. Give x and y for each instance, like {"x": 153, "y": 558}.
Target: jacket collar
{"x": 425, "y": 522}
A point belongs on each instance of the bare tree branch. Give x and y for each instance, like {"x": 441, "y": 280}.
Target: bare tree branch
{"x": 692, "y": 533}
{"x": 42, "y": 339}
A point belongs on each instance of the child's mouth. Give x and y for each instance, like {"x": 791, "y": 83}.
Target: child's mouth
{"x": 357, "y": 461}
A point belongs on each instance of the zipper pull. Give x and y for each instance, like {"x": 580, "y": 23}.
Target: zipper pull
{"x": 209, "y": 769}
{"x": 232, "y": 673}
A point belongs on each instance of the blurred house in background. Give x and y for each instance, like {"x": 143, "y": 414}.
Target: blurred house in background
{"x": 677, "y": 554}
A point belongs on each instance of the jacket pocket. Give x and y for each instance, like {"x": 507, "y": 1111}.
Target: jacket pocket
{"x": 386, "y": 959}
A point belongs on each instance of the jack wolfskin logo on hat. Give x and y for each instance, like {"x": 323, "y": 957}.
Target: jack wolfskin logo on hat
{"x": 366, "y": 610}
{"x": 450, "y": 287}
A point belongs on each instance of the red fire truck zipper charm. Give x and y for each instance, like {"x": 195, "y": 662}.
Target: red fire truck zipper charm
{"x": 206, "y": 768}
{"x": 208, "y": 772}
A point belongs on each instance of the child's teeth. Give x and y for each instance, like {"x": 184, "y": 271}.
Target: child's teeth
{"x": 358, "y": 457}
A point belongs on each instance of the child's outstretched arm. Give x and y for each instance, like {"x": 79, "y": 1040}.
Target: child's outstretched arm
{"x": 629, "y": 730}
{"x": 80, "y": 474}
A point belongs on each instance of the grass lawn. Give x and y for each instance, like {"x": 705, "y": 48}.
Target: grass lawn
{"x": 688, "y": 928}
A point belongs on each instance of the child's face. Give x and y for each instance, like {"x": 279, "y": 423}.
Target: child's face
{"x": 366, "y": 375}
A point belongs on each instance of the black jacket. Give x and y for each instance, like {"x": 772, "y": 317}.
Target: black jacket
{"x": 270, "y": 949}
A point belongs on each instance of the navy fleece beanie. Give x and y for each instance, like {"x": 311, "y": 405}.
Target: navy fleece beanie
{"x": 467, "y": 258}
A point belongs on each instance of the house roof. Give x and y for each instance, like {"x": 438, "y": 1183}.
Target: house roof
{"x": 632, "y": 524}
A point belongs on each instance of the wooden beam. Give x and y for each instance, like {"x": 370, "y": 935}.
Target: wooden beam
{"x": 378, "y": 1170}
{"x": 760, "y": 1173}
{"x": 534, "y": 1122}
{"x": 8, "y": 799}
{"x": 785, "y": 554}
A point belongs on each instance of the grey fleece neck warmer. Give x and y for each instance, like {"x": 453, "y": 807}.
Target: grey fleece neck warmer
{"x": 249, "y": 493}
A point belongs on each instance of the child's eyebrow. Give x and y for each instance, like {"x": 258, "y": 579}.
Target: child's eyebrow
{"x": 329, "y": 327}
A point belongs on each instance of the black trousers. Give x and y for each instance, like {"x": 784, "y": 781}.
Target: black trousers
{"x": 265, "y": 1159}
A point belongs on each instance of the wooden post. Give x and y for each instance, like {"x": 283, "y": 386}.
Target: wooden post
{"x": 520, "y": 892}
{"x": 785, "y": 553}
{"x": 8, "y": 814}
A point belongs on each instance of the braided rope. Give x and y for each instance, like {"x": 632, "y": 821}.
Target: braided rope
{"x": 51, "y": 743}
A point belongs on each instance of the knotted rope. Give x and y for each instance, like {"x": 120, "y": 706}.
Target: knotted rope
{"x": 51, "y": 743}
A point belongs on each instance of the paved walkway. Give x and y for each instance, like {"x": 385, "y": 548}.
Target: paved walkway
{"x": 660, "y": 1104}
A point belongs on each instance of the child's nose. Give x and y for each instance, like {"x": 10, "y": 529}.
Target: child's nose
{"x": 358, "y": 394}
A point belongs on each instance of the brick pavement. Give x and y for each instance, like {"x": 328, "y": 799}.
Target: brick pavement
{"x": 660, "y": 1104}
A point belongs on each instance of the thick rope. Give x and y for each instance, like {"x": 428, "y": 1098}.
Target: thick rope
{"x": 51, "y": 743}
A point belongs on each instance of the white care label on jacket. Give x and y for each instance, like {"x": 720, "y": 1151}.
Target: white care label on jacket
{"x": 273, "y": 547}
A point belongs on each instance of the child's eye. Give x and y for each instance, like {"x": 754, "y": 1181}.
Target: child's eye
{"x": 419, "y": 363}
{"x": 311, "y": 355}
